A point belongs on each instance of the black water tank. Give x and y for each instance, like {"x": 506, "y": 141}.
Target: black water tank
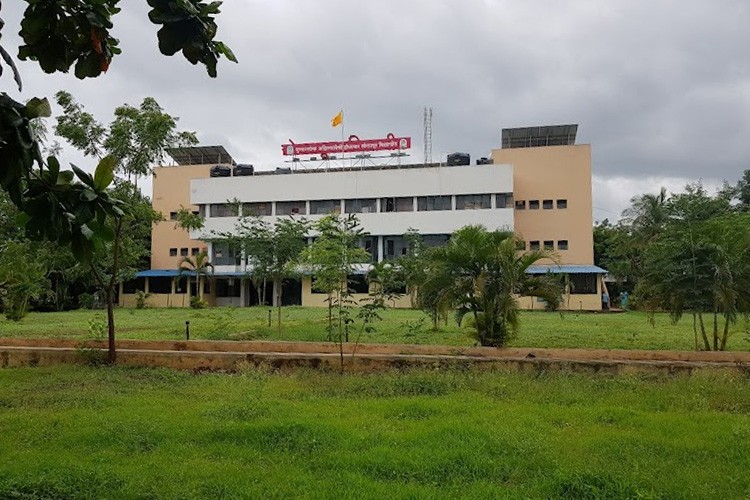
{"x": 243, "y": 169}
{"x": 459, "y": 159}
{"x": 283, "y": 170}
{"x": 220, "y": 171}
{"x": 485, "y": 161}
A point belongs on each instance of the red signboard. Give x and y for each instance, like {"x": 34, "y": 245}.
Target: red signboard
{"x": 353, "y": 145}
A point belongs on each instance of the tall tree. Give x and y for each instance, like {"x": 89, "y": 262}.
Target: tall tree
{"x": 60, "y": 205}
{"x": 481, "y": 273}
{"x": 700, "y": 265}
{"x": 273, "y": 250}
{"x": 137, "y": 138}
{"x": 647, "y": 214}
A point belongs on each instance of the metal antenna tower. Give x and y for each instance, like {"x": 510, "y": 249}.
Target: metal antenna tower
{"x": 427, "y": 135}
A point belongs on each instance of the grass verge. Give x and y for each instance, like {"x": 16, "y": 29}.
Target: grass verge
{"x": 631, "y": 330}
{"x": 78, "y": 432}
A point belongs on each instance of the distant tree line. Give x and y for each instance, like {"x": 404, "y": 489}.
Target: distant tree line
{"x": 685, "y": 253}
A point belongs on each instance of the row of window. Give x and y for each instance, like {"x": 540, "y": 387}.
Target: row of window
{"x": 184, "y": 252}
{"x": 358, "y": 284}
{"x": 547, "y": 245}
{"x": 545, "y": 204}
{"x": 393, "y": 247}
{"x": 367, "y": 205}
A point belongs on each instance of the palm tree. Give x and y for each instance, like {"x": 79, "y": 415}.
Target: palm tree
{"x": 200, "y": 267}
{"x": 648, "y": 214}
{"x": 482, "y": 273}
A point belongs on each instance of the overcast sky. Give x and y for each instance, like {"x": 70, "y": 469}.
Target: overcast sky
{"x": 660, "y": 89}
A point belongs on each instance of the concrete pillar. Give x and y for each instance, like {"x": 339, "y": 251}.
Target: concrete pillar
{"x": 380, "y": 255}
{"x": 243, "y": 285}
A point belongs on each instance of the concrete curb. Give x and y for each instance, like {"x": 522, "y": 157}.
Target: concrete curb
{"x": 21, "y": 356}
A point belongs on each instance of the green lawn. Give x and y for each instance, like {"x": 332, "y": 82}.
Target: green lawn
{"x": 617, "y": 331}
{"x": 70, "y": 432}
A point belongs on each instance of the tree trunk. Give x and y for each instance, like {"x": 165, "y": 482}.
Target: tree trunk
{"x": 330, "y": 317}
{"x": 706, "y": 343}
{"x": 695, "y": 331}
{"x": 112, "y": 351}
{"x": 341, "y": 337}
{"x": 277, "y": 288}
{"x": 716, "y": 331}
{"x": 726, "y": 334}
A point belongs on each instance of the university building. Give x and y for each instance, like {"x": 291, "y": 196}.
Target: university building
{"x": 537, "y": 184}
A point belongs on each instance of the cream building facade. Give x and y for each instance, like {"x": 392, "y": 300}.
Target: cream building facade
{"x": 538, "y": 185}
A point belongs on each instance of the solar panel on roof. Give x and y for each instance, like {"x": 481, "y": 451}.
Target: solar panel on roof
{"x": 531, "y": 137}
{"x": 201, "y": 155}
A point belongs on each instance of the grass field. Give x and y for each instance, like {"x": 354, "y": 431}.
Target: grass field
{"x": 78, "y": 432}
{"x": 630, "y": 330}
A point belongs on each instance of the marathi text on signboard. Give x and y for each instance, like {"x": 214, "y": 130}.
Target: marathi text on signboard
{"x": 353, "y": 145}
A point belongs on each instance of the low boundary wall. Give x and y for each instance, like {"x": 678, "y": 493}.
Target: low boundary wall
{"x": 232, "y": 356}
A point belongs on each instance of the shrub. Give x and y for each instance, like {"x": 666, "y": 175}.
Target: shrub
{"x": 140, "y": 299}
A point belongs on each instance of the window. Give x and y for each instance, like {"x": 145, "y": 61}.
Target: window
{"x": 131, "y": 286}
{"x": 435, "y": 240}
{"x": 223, "y": 210}
{"x": 202, "y": 210}
{"x": 562, "y": 203}
{"x": 520, "y": 204}
{"x": 173, "y": 252}
{"x": 360, "y": 206}
{"x": 520, "y": 245}
{"x": 172, "y": 215}
{"x": 291, "y": 208}
{"x": 228, "y": 288}
{"x": 549, "y": 245}
{"x": 358, "y": 284}
{"x": 584, "y": 283}
{"x": 430, "y": 203}
{"x": 397, "y": 204}
{"x": 473, "y": 202}
{"x": 224, "y": 255}
{"x": 547, "y": 204}
{"x": 197, "y": 212}
{"x": 533, "y": 204}
{"x": 257, "y": 208}
{"x": 504, "y": 200}
{"x": 183, "y": 252}
{"x": 534, "y": 245}
{"x": 394, "y": 247}
{"x": 562, "y": 244}
{"x": 181, "y": 285}
{"x": 323, "y": 207}
{"x": 160, "y": 285}
{"x": 194, "y": 251}
{"x": 370, "y": 245}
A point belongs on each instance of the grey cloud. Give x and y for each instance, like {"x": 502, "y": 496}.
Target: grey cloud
{"x": 661, "y": 89}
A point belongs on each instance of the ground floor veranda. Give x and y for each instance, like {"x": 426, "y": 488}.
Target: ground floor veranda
{"x": 168, "y": 288}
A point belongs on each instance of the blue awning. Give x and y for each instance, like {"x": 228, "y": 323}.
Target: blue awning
{"x": 565, "y": 269}
{"x": 174, "y": 273}
{"x": 163, "y": 273}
